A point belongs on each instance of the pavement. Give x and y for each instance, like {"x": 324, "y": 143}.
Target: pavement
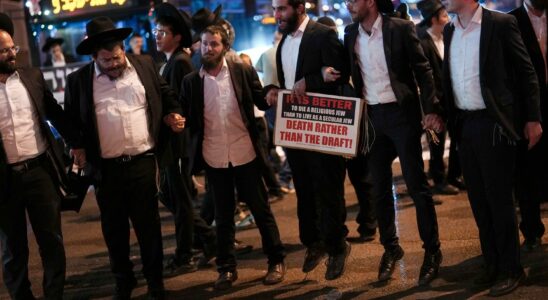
{"x": 88, "y": 275}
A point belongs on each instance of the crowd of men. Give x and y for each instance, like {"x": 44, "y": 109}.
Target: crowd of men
{"x": 128, "y": 122}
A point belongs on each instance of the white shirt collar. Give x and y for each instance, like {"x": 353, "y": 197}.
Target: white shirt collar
{"x": 98, "y": 72}
{"x": 302, "y": 27}
{"x": 377, "y": 26}
{"x": 203, "y": 72}
{"x": 476, "y": 18}
{"x": 531, "y": 14}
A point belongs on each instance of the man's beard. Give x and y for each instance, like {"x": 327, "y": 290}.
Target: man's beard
{"x": 6, "y": 67}
{"x": 210, "y": 62}
{"x": 291, "y": 24}
{"x": 115, "y": 72}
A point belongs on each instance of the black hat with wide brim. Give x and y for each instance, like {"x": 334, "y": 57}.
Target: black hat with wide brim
{"x": 428, "y": 9}
{"x": 181, "y": 19}
{"x": 99, "y": 30}
{"x": 204, "y": 18}
{"x": 6, "y": 24}
{"x": 50, "y": 42}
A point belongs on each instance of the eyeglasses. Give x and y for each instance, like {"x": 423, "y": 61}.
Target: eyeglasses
{"x": 6, "y": 50}
{"x": 160, "y": 33}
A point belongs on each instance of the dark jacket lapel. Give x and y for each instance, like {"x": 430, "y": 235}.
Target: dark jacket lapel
{"x": 485, "y": 38}
{"x": 307, "y": 35}
{"x": 387, "y": 40}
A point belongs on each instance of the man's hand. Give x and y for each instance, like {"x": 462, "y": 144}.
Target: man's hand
{"x": 329, "y": 74}
{"x": 533, "y": 132}
{"x": 79, "y": 157}
{"x": 175, "y": 121}
{"x": 299, "y": 89}
{"x": 272, "y": 96}
{"x": 433, "y": 121}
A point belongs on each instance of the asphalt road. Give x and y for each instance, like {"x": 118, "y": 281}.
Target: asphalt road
{"x": 88, "y": 275}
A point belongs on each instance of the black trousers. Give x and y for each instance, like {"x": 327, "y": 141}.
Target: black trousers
{"x": 357, "y": 173}
{"x": 436, "y": 167}
{"x": 531, "y": 186}
{"x": 176, "y": 197}
{"x": 319, "y": 184}
{"x": 128, "y": 191}
{"x": 488, "y": 159}
{"x": 32, "y": 191}
{"x": 396, "y": 136}
{"x": 268, "y": 171}
{"x": 248, "y": 181}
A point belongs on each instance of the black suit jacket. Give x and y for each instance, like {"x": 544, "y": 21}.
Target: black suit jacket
{"x": 175, "y": 69}
{"x": 533, "y": 48}
{"x": 435, "y": 60}
{"x": 79, "y": 106}
{"x": 508, "y": 80}
{"x": 248, "y": 91}
{"x": 319, "y": 47}
{"x": 407, "y": 66}
{"x": 48, "y": 110}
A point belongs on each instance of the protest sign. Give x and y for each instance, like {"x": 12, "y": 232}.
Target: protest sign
{"x": 318, "y": 122}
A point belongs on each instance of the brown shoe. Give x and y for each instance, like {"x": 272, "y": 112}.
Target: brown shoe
{"x": 225, "y": 280}
{"x": 276, "y": 274}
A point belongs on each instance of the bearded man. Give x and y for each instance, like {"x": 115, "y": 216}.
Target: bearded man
{"x": 124, "y": 111}
{"x": 218, "y": 101}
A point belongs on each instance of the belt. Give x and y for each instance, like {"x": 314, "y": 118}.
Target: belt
{"x": 123, "y": 159}
{"x": 462, "y": 113}
{"x": 372, "y": 107}
{"x": 29, "y": 164}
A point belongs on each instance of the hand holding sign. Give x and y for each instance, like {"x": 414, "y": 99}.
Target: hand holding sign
{"x": 329, "y": 74}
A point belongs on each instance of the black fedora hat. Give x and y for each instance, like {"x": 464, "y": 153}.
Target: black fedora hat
{"x": 101, "y": 29}
{"x": 204, "y": 18}
{"x": 429, "y": 8}
{"x": 6, "y": 24}
{"x": 50, "y": 42}
{"x": 385, "y": 6}
{"x": 181, "y": 19}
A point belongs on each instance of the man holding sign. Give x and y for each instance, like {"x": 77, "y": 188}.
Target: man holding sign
{"x": 319, "y": 178}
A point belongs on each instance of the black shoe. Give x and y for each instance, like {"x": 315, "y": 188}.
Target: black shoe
{"x": 507, "y": 285}
{"x": 336, "y": 263}
{"x": 240, "y": 248}
{"x": 124, "y": 288}
{"x": 225, "y": 280}
{"x": 156, "y": 294}
{"x": 458, "y": 183}
{"x": 430, "y": 267}
{"x": 313, "y": 257}
{"x": 388, "y": 263}
{"x": 487, "y": 277}
{"x": 176, "y": 267}
{"x": 530, "y": 245}
{"x": 275, "y": 274}
{"x": 363, "y": 238}
{"x": 444, "y": 189}
{"x": 210, "y": 251}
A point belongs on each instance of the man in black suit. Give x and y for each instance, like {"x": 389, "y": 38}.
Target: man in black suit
{"x": 430, "y": 33}
{"x": 492, "y": 98}
{"x": 124, "y": 110}
{"x": 305, "y": 48}
{"x": 386, "y": 60}
{"x": 531, "y": 164}
{"x": 172, "y": 34}
{"x": 218, "y": 102}
{"x": 30, "y": 170}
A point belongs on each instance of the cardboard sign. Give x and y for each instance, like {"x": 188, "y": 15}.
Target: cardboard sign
{"x": 318, "y": 122}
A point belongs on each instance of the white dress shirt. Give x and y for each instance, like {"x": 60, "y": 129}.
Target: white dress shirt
{"x": 226, "y": 139}
{"x": 121, "y": 110}
{"x": 539, "y": 26}
{"x": 290, "y": 53}
{"x": 19, "y": 122}
{"x": 438, "y": 42}
{"x": 464, "y": 62}
{"x": 370, "y": 51}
